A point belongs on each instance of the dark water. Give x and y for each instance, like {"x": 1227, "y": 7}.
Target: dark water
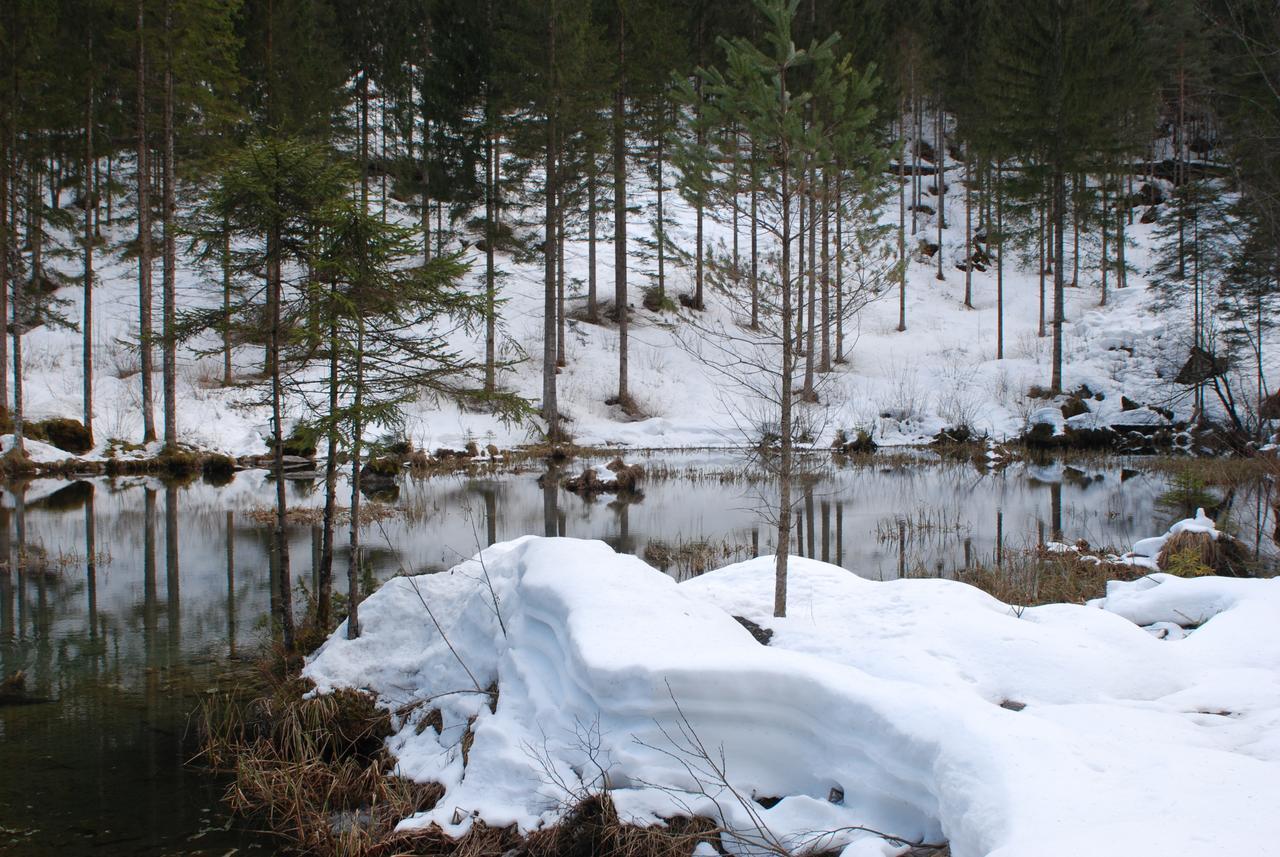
{"x": 138, "y": 598}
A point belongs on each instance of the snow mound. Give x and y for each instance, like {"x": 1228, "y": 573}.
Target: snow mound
{"x": 925, "y": 709}
{"x": 38, "y": 451}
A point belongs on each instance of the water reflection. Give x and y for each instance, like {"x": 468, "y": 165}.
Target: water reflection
{"x": 130, "y": 604}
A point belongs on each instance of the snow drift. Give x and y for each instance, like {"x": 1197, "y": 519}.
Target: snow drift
{"x": 923, "y": 709}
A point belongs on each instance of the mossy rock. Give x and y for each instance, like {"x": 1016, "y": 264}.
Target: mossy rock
{"x": 299, "y": 443}
{"x": 1074, "y": 406}
{"x": 66, "y": 434}
{"x": 218, "y": 469}
{"x": 1041, "y": 436}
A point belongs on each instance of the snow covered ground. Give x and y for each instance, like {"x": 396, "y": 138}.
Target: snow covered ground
{"x": 903, "y": 387}
{"x": 922, "y": 709}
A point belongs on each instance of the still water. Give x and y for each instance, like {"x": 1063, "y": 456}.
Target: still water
{"x": 139, "y": 597}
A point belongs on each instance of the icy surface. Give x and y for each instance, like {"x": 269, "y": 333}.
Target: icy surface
{"x": 882, "y": 705}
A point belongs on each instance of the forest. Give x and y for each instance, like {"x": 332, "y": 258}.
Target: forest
{"x": 323, "y": 274}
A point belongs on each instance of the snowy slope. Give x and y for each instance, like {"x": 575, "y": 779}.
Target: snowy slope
{"x": 940, "y": 371}
{"x": 922, "y": 709}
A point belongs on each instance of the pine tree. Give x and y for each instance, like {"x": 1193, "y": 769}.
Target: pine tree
{"x": 754, "y": 92}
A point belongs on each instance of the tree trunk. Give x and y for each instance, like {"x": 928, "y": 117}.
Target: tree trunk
{"x": 169, "y": 269}
{"x": 940, "y": 182}
{"x": 839, "y": 259}
{"x": 281, "y": 543}
{"x": 784, "y": 420}
{"x": 824, "y": 363}
{"x": 561, "y": 359}
{"x": 697, "y": 208}
{"x": 1121, "y": 207}
{"x": 90, "y": 206}
{"x": 226, "y": 303}
{"x": 324, "y": 595}
{"x": 755, "y": 245}
{"x": 1040, "y": 265}
{"x": 490, "y": 273}
{"x": 593, "y": 314}
{"x": 662, "y": 223}
{"x": 902, "y": 240}
{"x": 620, "y": 212}
{"x": 144, "y": 237}
{"x": 8, "y": 228}
{"x": 1103, "y": 225}
{"x": 357, "y": 428}
{"x": 968, "y": 233}
{"x": 1000, "y": 259}
{"x": 549, "y": 410}
{"x": 1059, "y": 204}
{"x": 808, "y": 393}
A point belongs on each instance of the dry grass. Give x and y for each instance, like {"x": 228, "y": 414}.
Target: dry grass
{"x": 314, "y": 769}
{"x": 1028, "y": 578}
{"x": 313, "y": 516}
{"x": 317, "y": 773}
{"x": 694, "y": 557}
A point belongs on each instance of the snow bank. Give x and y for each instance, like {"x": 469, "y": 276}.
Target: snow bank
{"x": 922, "y": 708}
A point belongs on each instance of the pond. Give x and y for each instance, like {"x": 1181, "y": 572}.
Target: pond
{"x": 139, "y": 597}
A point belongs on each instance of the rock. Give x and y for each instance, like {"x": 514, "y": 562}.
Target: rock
{"x": 66, "y": 434}
{"x": 1127, "y": 404}
{"x": 1269, "y": 409}
{"x": 1201, "y": 365}
{"x": 1151, "y": 215}
{"x": 1074, "y": 406}
{"x": 762, "y": 635}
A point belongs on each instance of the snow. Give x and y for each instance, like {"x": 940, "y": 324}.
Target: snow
{"x": 877, "y": 705}
{"x": 38, "y": 451}
{"x": 902, "y": 387}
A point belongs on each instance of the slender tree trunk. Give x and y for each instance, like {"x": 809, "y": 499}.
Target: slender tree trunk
{"x": 798, "y": 294}
{"x": 1000, "y": 259}
{"x": 561, "y": 357}
{"x": 968, "y": 233}
{"x": 274, "y": 341}
{"x": 110, "y": 185}
{"x": 902, "y": 240}
{"x": 21, "y": 312}
{"x": 755, "y": 246}
{"x": 940, "y": 180}
{"x": 620, "y": 213}
{"x": 490, "y": 273}
{"x": 1121, "y": 273}
{"x": 593, "y": 314}
{"x": 784, "y": 421}
{"x": 698, "y": 213}
{"x": 735, "y": 180}
{"x": 354, "y": 559}
{"x": 549, "y": 408}
{"x": 824, "y": 364}
{"x": 90, "y": 206}
{"x": 811, "y": 347}
{"x": 364, "y": 138}
{"x": 662, "y": 223}
{"x": 839, "y": 216}
{"x": 226, "y": 303}
{"x": 1059, "y": 298}
{"x": 324, "y": 594}
{"x": 1103, "y": 224}
{"x": 144, "y": 236}
{"x": 1075, "y": 230}
{"x": 169, "y": 269}
{"x": 8, "y": 229}
{"x": 1041, "y": 331}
